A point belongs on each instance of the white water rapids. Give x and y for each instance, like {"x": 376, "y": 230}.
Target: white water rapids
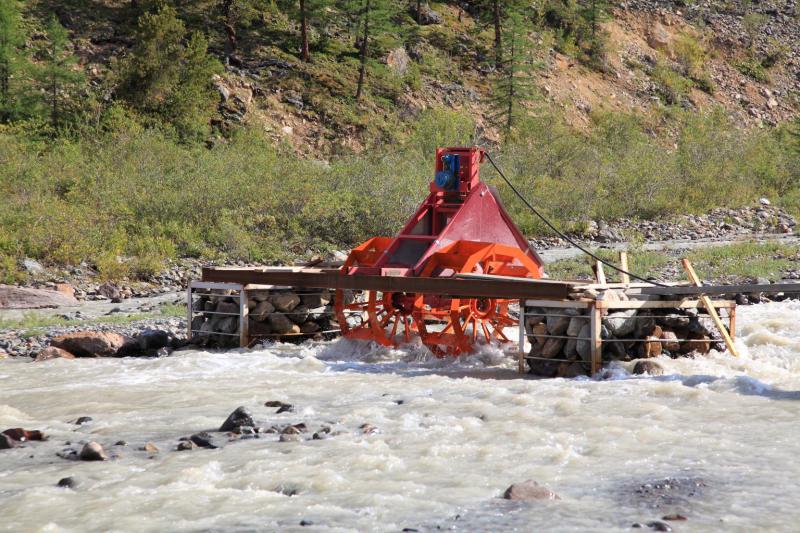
{"x": 452, "y": 436}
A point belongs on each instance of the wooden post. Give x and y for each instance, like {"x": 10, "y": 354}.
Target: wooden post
{"x": 522, "y": 335}
{"x": 623, "y": 264}
{"x": 244, "y": 324}
{"x": 599, "y": 273}
{"x": 595, "y": 326}
{"x": 706, "y": 301}
{"x": 189, "y": 314}
{"x": 732, "y": 322}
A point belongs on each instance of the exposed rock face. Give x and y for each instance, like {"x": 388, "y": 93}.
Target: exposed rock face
{"x": 529, "y": 490}
{"x": 428, "y": 16}
{"x": 91, "y": 343}
{"x": 240, "y": 417}
{"x": 25, "y": 298}
{"x": 658, "y": 37}
{"x": 52, "y": 352}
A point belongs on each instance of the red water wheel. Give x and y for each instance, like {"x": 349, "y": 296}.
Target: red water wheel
{"x": 452, "y": 326}
{"x": 383, "y": 317}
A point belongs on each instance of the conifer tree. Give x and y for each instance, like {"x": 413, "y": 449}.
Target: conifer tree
{"x": 10, "y": 39}
{"x": 307, "y": 13}
{"x": 57, "y": 74}
{"x": 372, "y": 19}
{"x": 513, "y": 88}
{"x": 168, "y": 73}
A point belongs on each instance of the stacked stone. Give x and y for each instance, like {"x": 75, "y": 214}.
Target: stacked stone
{"x": 275, "y": 314}
{"x": 561, "y": 345}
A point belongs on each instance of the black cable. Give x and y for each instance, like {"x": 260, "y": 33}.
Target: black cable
{"x": 561, "y": 234}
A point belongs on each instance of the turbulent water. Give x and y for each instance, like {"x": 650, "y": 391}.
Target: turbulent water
{"x": 714, "y": 439}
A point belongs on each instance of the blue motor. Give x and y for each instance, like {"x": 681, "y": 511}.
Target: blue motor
{"x": 447, "y": 178}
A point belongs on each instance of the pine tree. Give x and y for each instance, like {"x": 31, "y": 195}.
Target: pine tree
{"x": 57, "y": 74}
{"x": 513, "y": 87}
{"x": 594, "y": 12}
{"x": 372, "y": 19}
{"x": 233, "y": 14}
{"x": 10, "y": 39}
{"x": 306, "y": 13}
{"x": 167, "y": 76}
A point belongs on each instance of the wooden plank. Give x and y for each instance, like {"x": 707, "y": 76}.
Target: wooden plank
{"x": 732, "y": 322}
{"x": 514, "y": 288}
{"x": 569, "y": 304}
{"x": 522, "y": 336}
{"x": 623, "y": 264}
{"x": 244, "y": 324}
{"x": 687, "y": 265}
{"x": 599, "y": 274}
{"x": 663, "y": 304}
{"x": 597, "y": 342}
{"x": 189, "y": 313}
{"x": 722, "y": 289}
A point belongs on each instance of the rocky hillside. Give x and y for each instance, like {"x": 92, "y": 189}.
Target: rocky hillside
{"x": 697, "y": 55}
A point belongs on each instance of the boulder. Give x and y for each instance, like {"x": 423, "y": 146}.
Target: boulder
{"x": 529, "y": 490}
{"x": 674, "y": 321}
{"x": 26, "y": 298}
{"x": 584, "y": 346}
{"x": 66, "y": 289}
{"x": 398, "y": 61}
{"x": 67, "y": 483}
{"x": 281, "y": 325}
{"x": 557, "y": 325}
{"x": 109, "y": 290}
{"x": 299, "y": 315}
{"x": 51, "y": 352}
{"x": 552, "y": 348}
{"x": 262, "y": 310}
{"x": 621, "y": 323}
{"x": 648, "y": 367}
{"x": 203, "y": 440}
{"x": 543, "y": 367}
{"x": 92, "y": 451}
{"x": 23, "y": 435}
{"x": 91, "y": 343}
{"x": 700, "y": 343}
{"x": 149, "y": 447}
{"x": 309, "y": 328}
{"x": 6, "y": 442}
{"x": 228, "y": 307}
{"x": 671, "y": 343}
{"x": 428, "y": 16}
{"x": 575, "y": 325}
{"x": 318, "y": 299}
{"x": 571, "y": 370}
{"x": 153, "y": 339}
{"x": 658, "y": 37}
{"x": 644, "y": 326}
{"x": 240, "y": 417}
{"x": 285, "y": 302}
{"x": 651, "y": 347}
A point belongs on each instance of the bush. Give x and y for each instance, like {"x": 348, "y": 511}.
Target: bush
{"x": 672, "y": 87}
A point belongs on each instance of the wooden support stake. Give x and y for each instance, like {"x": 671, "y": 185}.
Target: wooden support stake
{"x": 189, "y": 314}
{"x": 599, "y": 273}
{"x": 732, "y": 322}
{"x": 710, "y": 308}
{"x": 623, "y": 264}
{"x": 595, "y": 326}
{"x": 522, "y": 336}
{"x": 244, "y": 322}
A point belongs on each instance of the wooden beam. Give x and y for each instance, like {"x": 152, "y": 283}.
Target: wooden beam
{"x": 687, "y": 265}
{"x": 722, "y": 289}
{"x": 513, "y": 288}
{"x": 623, "y": 264}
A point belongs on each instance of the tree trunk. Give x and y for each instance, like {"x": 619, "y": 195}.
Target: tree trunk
{"x": 498, "y": 38}
{"x": 304, "y": 53}
{"x": 363, "y": 53}
{"x": 229, "y": 25}
{"x": 54, "y": 96}
{"x": 511, "y": 95}
{"x": 419, "y": 11}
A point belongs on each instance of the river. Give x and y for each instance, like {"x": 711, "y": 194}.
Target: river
{"x": 714, "y": 439}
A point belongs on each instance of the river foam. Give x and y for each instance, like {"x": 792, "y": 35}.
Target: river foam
{"x": 450, "y": 436}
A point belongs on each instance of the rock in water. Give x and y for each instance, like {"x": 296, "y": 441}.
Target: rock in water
{"x": 7, "y": 442}
{"x": 150, "y": 448}
{"x": 285, "y": 302}
{"x": 648, "y": 367}
{"x": 92, "y": 451}
{"x": 23, "y": 435}
{"x": 51, "y": 352}
{"x": 240, "y": 417}
{"x": 91, "y": 343}
{"x": 203, "y": 440}
{"x": 529, "y": 490}
{"x": 67, "y": 483}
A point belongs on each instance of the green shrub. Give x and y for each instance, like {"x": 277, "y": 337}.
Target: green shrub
{"x": 672, "y": 86}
